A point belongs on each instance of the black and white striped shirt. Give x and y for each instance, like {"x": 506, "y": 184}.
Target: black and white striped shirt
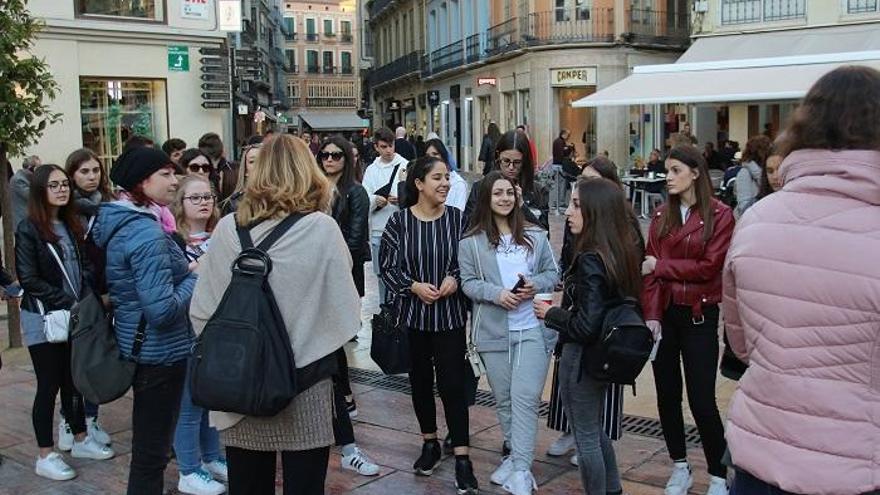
{"x": 413, "y": 250}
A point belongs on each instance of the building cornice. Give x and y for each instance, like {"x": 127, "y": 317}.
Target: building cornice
{"x": 127, "y": 33}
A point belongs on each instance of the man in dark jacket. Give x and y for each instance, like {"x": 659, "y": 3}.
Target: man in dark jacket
{"x": 402, "y": 146}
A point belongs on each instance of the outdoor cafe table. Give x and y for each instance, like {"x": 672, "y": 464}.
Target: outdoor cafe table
{"x": 639, "y": 185}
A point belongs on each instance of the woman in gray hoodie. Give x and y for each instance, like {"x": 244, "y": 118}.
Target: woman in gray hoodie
{"x": 749, "y": 178}
{"x": 504, "y": 262}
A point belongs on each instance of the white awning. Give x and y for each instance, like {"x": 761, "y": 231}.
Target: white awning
{"x": 334, "y": 121}
{"x": 745, "y": 67}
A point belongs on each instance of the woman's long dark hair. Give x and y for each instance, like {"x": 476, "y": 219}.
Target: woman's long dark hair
{"x": 516, "y": 140}
{"x": 39, "y": 208}
{"x": 349, "y": 175}
{"x": 608, "y": 231}
{"x": 672, "y": 221}
{"x": 606, "y": 168}
{"x": 418, "y": 169}
{"x": 74, "y": 162}
{"x": 440, "y": 147}
{"x": 493, "y": 132}
{"x": 483, "y": 218}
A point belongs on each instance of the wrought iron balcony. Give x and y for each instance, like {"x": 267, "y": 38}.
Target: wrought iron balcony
{"x": 347, "y": 69}
{"x": 312, "y": 37}
{"x": 748, "y": 11}
{"x": 570, "y": 25}
{"x": 346, "y": 38}
{"x": 329, "y": 69}
{"x": 657, "y": 27}
{"x": 474, "y": 47}
{"x": 291, "y": 68}
{"x": 376, "y": 7}
{"x": 447, "y": 57}
{"x": 332, "y": 102}
{"x": 503, "y": 37}
{"x": 403, "y": 66}
{"x": 313, "y": 69}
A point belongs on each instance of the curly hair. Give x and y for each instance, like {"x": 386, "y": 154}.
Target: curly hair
{"x": 841, "y": 111}
{"x": 757, "y": 150}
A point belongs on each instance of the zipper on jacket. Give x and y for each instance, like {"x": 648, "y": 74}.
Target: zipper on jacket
{"x": 687, "y": 243}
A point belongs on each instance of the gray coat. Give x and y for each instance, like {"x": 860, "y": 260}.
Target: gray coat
{"x": 748, "y": 186}
{"x": 489, "y": 320}
{"x": 20, "y": 185}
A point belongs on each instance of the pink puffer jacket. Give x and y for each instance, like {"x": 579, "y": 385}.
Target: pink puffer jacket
{"x": 802, "y": 305}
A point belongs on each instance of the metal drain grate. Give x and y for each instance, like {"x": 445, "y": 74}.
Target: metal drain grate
{"x": 637, "y": 425}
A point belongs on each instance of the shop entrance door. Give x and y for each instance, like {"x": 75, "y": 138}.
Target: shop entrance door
{"x": 580, "y": 121}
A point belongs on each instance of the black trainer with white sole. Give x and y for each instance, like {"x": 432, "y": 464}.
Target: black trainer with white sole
{"x": 430, "y": 458}
{"x": 465, "y": 481}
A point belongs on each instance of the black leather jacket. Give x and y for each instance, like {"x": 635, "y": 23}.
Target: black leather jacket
{"x": 352, "y": 212}
{"x": 39, "y": 273}
{"x": 590, "y": 294}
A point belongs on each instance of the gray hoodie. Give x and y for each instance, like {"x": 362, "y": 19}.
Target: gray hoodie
{"x": 748, "y": 186}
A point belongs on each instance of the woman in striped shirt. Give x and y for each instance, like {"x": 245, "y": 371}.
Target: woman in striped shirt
{"x": 419, "y": 265}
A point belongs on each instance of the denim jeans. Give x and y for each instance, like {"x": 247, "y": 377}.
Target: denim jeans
{"x": 583, "y": 400}
{"x": 375, "y": 242}
{"x": 195, "y": 441}
{"x": 157, "y": 391}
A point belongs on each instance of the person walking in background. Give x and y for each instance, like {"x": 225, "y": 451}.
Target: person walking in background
{"x": 486, "y": 158}
{"x": 402, "y": 145}
{"x": 351, "y": 210}
{"x": 174, "y": 148}
{"x": 52, "y": 272}
{"x": 514, "y": 159}
{"x": 605, "y": 269}
{"x": 248, "y": 158}
{"x": 319, "y": 317}
{"x": 381, "y": 180}
{"x": 801, "y": 305}
{"x": 561, "y": 148}
{"x": 20, "y": 186}
{"x": 497, "y": 252}
{"x": 687, "y": 242}
{"x": 150, "y": 285}
{"x": 458, "y": 187}
{"x": 749, "y": 181}
{"x": 201, "y": 466}
{"x": 419, "y": 264}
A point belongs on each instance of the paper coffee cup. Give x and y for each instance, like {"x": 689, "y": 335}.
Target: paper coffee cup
{"x": 546, "y": 297}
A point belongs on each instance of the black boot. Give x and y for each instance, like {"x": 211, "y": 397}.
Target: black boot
{"x": 430, "y": 458}
{"x": 465, "y": 481}
{"x": 505, "y": 450}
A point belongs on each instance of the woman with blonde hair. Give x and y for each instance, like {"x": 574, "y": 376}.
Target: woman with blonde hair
{"x": 248, "y": 159}
{"x": 320, "y": 310}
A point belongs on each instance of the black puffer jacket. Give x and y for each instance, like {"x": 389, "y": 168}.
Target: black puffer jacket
{"x": 39, "y": 273}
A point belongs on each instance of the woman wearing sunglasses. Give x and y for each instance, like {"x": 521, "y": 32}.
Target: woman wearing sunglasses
{"x": 195, "y": 162}
{"x": 351, "y": 210}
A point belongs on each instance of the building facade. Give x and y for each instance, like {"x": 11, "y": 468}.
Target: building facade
{"x": 321, "y": 56}
{"x": 125, "y": 68}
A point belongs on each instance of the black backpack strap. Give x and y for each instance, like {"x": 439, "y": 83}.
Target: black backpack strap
{"x": 279, "y": 231}
{"x": 244, "y": 235}
{"x": 139, "y": 337}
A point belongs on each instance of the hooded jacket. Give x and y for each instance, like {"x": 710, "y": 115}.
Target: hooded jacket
{"x": 802, "y": 306}
{"x": 147, "y": 276}
{"x": 748, "y": 186}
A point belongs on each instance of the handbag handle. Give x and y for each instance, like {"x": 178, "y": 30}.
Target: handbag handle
{"x": 61, "y": 265}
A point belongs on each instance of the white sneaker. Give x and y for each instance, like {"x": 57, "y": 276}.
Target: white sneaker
{"x": 520, "y": 483}
{"x": 563, "y": 445}
{"x": 53, "y": 467}
{"x": 94, "y": 430}
{"x": 500, "y": 475}
{"x": 359, "y": 462}
{"x": 718, "y": 486}
{"x": 200, "y": 483}
{"x": 681, "y": 480}
{"x": 65, "y": 436}
{"x": 90, "y": 449}
{"x": 218, "y": 469}
{"x": 573, "y": 460}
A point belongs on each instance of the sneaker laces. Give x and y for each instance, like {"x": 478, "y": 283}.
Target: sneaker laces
{"x": 55, "y": 460}
{"x": 204, "y": 476}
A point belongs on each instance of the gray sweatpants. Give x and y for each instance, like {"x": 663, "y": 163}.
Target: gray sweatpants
{"x": 517, "y": 379}
{"x": 583, "y": 402}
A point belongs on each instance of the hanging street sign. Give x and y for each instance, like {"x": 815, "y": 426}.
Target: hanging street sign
{"x": 215, "y": 104}
{"x": 213, "y": 52}
{"x": 214, "y": 77}
{"x": 178, "y": 58}
{"x": 216, "y": 86}
{"x": 215, "y": 96}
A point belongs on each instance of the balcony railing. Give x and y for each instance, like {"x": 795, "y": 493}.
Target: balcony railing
{"x": 293, "y": 101}
{"x": 748, "y": 11}
{"x": 447, "y": 57}
{"x": 347, "y": 69}
{"x": 403, "y": 66}
{"x": 474, "y": 48}
{"x": 658, "y": 27}
{"x": 503, "y": 37}
{"x": 329, "y": 34}
{"x": 313, "y": 69}
{"x": 377, "y": 6}
{"x": 311, "y": 36}
{"x": 346, "y": 37}
{"x": 570, "y": 25}
{"x": 290, "y": 36}
{"x": 332, "y": 102}
{"x": 329, "y": 69}
{"x": 291, "y": 68}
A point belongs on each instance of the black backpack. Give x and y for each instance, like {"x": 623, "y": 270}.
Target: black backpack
{"x": 624, "y": 346}
{"x": 243, "y": 361}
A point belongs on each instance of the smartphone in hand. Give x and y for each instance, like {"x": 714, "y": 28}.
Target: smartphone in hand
{"x": 519, "y": 284}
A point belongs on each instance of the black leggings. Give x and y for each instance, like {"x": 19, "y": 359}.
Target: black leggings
{"x": 52, "y": 367}
{"x": 696, "y": 346}
{"x": 343, "y": 431}
{"x": 252, "y": 472}
{"x": 445, "y": 352}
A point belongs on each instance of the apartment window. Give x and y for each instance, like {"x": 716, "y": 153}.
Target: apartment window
{"x": 345, "y": 62}
{"x": 861, "y": 6}
{"x": 112, "y": 110}
{"x": 747, "y": 11}
{"x": 312, "y": 61}
{"x": 290, "y": 59}
{"x": 328, "y": 27}
{"x": 150, "y": 10}
{"x": 328, "y": 62}
{"x": 290, "y": 28}
{"x": 311, "y": 30}
{"x": 293, "y": 93}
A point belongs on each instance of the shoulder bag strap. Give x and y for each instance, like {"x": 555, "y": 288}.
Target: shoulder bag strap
{"x": 63, "y": 270}
{"x": 475, "y": 327}
{"x": 393, "y": 176}
{"x": 139, "y": 337}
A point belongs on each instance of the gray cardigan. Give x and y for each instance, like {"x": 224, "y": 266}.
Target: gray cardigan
{"x": 489, "y": 320}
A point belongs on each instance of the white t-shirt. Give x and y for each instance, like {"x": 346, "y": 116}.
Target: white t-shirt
{"x": 685, "y": 213}
{"x": 512, "y": 260}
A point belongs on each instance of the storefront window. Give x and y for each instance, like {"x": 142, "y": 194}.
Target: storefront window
{"x": 524, "y": 107}
{"x": 114, "y": 110}
{"x": 150, "y": 10}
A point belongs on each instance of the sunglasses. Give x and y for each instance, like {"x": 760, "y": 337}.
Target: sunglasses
{"x": 335, "y": 155}
{"x": 195, "y": 168}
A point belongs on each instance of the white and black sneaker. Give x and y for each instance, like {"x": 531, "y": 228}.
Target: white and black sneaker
{"x": 360, "y": 463}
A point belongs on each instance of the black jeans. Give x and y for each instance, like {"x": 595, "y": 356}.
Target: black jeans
{"x": 157, "y": 391}
{"x": 52, "y": 367}
{"x": 341, "y": 379}
{"x": 697, "y": 347}
{"x": 252, "y": 472}
{"x": 445, "y": 352}
{"x": 343, "y": 431}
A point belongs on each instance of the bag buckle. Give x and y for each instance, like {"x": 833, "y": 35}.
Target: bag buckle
{"x": 698, "y": 320}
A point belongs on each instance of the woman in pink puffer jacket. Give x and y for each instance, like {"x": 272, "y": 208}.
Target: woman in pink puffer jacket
{"x": 802, "y": 304}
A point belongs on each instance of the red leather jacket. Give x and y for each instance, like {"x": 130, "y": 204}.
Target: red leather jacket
{"x": 688, "y": 271}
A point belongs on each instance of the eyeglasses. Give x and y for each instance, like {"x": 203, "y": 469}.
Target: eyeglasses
{"x": 508, "y": 163}
{"x": 200, "y": 198}
{"x": 335, "y": 155}
{"x": 55, "y": 186}
{"x": 195, "y": 168}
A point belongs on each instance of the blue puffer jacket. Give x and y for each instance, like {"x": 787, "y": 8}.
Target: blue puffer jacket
{"x": 147, "y": 274}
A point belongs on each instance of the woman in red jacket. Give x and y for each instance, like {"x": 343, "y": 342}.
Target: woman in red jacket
{"x": 687, "y": 243}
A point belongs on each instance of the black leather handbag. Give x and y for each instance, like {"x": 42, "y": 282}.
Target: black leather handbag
{"x": 390, "y": 345}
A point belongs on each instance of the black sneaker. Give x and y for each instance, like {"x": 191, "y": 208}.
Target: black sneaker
{"x": 430, "y": 458}
{"x": 447, "y": 445}
{"x": 465, "y": 481}
{"x": 505, "y": 449}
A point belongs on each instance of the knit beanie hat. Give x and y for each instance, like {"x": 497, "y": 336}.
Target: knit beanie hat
{"x": 136, "y": 164}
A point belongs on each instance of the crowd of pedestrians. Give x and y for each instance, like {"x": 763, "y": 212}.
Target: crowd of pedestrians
{"x": 470, "y": 275}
